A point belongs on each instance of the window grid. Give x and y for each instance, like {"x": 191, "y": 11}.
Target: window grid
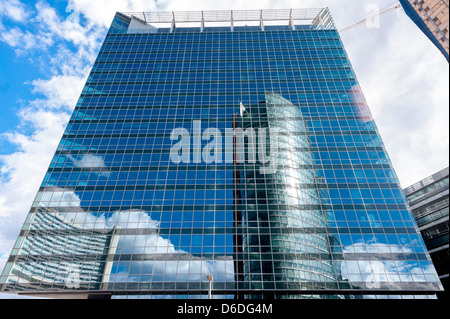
{"x": 342, "y": 223}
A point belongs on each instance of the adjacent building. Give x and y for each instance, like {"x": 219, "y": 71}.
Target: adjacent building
{"x": 235, "y": 146}
{"x": 428, "y": 200}
{"x": 432, "y": 17}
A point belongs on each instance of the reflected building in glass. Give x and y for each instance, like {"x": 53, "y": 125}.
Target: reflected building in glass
{"x": 235, "y": 144}
{"x": 286, "y": 257}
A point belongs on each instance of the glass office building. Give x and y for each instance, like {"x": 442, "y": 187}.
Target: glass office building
{"x": 428, "y": 200}
{"x": 230, "y": 145}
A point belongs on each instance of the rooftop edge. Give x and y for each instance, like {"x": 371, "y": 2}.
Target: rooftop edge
{"x": 319, "y": 18}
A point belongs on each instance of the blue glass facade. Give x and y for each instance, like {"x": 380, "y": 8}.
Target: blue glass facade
{"x": 328, "y": 220}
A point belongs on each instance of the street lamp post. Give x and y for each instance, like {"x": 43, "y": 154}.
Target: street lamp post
{"x": 210, "y": 279}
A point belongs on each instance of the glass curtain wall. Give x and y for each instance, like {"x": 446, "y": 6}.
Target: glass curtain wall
{"x": 145, "y": 190}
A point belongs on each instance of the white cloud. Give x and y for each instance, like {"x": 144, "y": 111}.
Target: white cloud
{"x": 60, "y": 92}
{"x": 374, "y": 273}
{"x": 102, "y": 12}
{"x": 23, "y": 41}
{"x": 15, "y": 36}
{"x": 14, "y": 10}
{"x": 45, "y": 28}
{"x": 67, "y": 29}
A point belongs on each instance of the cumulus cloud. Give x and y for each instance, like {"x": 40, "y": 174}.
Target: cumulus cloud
{"x": 15, "y": 37}
{"x": 59, "y": 92}
{"x": 101, "y": 12}
{"x": 14, "y": 10}
{"x": 375, "y": 273}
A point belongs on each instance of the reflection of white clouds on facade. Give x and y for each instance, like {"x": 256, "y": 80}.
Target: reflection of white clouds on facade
{"x": 123, "y": 219}
{"x": 57, "y": 197}
{"x": 90, "y": 161}
{"x": 376, "y": 273}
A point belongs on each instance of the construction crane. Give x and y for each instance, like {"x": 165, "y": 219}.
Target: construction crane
{"x": 378, "y": 14}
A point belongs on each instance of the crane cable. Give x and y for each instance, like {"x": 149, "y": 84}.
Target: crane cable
{"x": 379, "y": 13}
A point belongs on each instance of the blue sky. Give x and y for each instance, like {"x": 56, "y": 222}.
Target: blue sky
{"x": 48, "y": 47}
{"x": 13, "y": 89}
